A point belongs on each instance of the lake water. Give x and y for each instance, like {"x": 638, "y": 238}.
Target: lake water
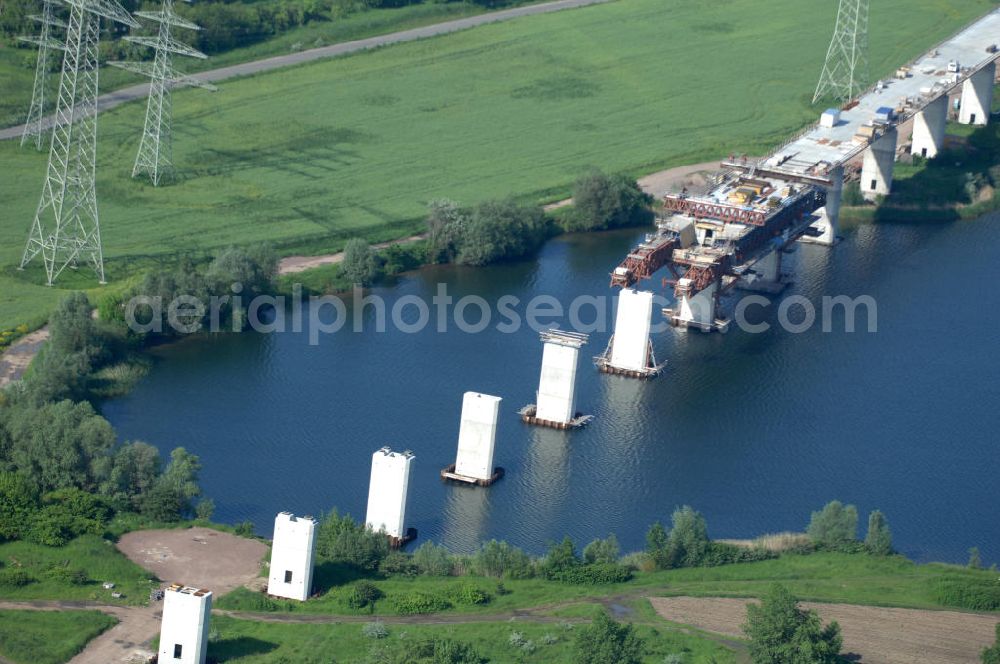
{"x": 753, "y": 430}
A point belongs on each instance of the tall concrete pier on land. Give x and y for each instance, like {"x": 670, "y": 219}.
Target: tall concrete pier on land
{"x": 184, "y": 626}
{"x": 556, "y": 397}
{"x": 292, "y": 554}
{"x": 878, "y": 164}
{"x": 977, "y": 96}
{"x": 630, "y": 351}
{"x": 929, "y": 127}
{"x": 387, "y": 493}
{"x": 477, "y": 435}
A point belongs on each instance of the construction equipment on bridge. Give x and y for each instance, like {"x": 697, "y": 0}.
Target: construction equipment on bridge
{"x": 66, "y": 227}
{"x": 845, "y": 71}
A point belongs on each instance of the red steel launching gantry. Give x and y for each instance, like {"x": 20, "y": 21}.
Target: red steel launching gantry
{"x": 644, "y": 261}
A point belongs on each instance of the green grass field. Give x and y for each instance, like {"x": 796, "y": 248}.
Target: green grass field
{"x": 250, "y": 641}
{"x": 357, "y": 146}
{"x": 48, "y": 637}
{"x": 824, "y": 577}
{"x": 96, "y": 557}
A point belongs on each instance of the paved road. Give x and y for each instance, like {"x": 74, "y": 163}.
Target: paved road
{"x": 112, "y": 99}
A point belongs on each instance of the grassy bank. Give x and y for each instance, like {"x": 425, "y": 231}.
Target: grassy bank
{"x": 357, "y": 146}
{"x": 75, "y": 571}
{"x": 825, "y": 577}
{"x": 48, "y": 637}
{"x": 552, "y": 643}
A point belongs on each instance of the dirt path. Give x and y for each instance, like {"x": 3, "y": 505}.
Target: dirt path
{"x": 112, "y": 99}
{"x": 878, "y": 635}
{"x": 194, "y": 556}
{"x": 15, "y": 360}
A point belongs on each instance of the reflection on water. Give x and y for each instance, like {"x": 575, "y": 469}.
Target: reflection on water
{"x": 754, "y": 430}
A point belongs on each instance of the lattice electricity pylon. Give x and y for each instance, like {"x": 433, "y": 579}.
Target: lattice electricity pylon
{"x": 845, "y": 72}
{"x": 35, "y": 126}
{"x": 155, "y": 156}
{"x": 66, "y": 226}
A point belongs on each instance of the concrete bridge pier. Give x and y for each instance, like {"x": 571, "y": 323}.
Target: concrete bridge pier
{"x": 977, "y": 97}
{"x": 828, "y": 224}
{"x": 879, "y": 161}
{"x": 766, "y": 275}
{"x": 695, "y": 309}
{"x": 929, "y": 128}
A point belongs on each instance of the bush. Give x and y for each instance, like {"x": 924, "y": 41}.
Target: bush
{"x": 559, "y": 559}
{"x": 364, "y": 594}
{"x": 341, "y": 539}
{"x": 594, "y": 574}
{"x": 501, "y": 560}
{"x": 244, "y": 528}
{"x": 602, "y": 201}
{"x": 606, "y": 641}
{"x": 834, "y": 526}
{"x": 602, "y": 551}
{"x": 685, "y": 546}
{"x": 974, "y": 593}
{"x": 780, "y": 631}
{"x": 397, "y": 563}
{"x": 719, "y": 553}
{"x": 470, "y": 594}
{"x": 433, "y": 560}
{"x": 15, "y": 577}
{"x": 878, "y": 541}
{"x": 418, "y": 602}
{"x": 65, "y": 574}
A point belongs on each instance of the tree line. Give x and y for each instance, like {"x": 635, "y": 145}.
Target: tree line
{"x": 63, "y": 472}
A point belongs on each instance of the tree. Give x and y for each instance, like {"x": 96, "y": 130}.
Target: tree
{"x": 171, "y": 495}
{"x": 559, "y": 558}
{"x": 433, "y": 560}
{"x": 975, "y": 561}
{"x": 602, "y": 551}
{"x": 656, "y": 545}
{"x": 359, "y": 266}
{"x": 134, "y": 471}
{"x": 61, "y": 445}
{"x": 991, "y": 655}
{"x": 18, "y": 500}
{"x": 204, "y": 509}
{"x": 782, "y": 633}
{"x": 606, "y": 641}
{"x": 603, "y": 201}
{"x": 342, "y": 539}
{"x": 502, "y": 230}
{"x": 833, "y": 526}
{"x": 688, "y": 541}
{"x": 878, "y": 541}
{"x": 446, "y": 226}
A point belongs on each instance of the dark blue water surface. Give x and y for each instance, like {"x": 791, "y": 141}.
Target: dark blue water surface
{"x": 753, "y": 430}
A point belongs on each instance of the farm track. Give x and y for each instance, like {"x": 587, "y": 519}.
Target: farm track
{"x": 111, "y": 99}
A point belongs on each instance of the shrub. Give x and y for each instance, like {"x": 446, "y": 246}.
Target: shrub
{"x": 602, "y": 551}
{"x": 244, "y": 529}
{"x": 559, "y": 559}
{"x": 501, "y": 560}
{"x": 397, "y": 563}
{"x": 433, "y": 560}
{"x": 594, "y": 574}
{"x": 364, "y": 594}
{"x": 719, "y": 553}
{"x": 685, "y": 546}
{"x": 502, "y": 230}
{"x": 468, "y": 593}
{"x": 418, "y": 602}
{"x": 341, "y": 539}
{"x": 606, "y": 641}
{"x": 971, "y": 593}
{"x": 65, "y": 574}
{"x": 780, "y": 631}
{"x": 15, "y": 577}
{"x": 878, "y": 541}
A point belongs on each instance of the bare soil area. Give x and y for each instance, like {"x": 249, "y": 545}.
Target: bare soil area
{"x": 875, "y": 635}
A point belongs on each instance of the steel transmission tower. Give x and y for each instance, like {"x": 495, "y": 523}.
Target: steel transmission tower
{"x": 155, "y": 149}
{"x": 66, "y": 226}
{"x": 846, "y": 70}
{"x": 34, "y": 126}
